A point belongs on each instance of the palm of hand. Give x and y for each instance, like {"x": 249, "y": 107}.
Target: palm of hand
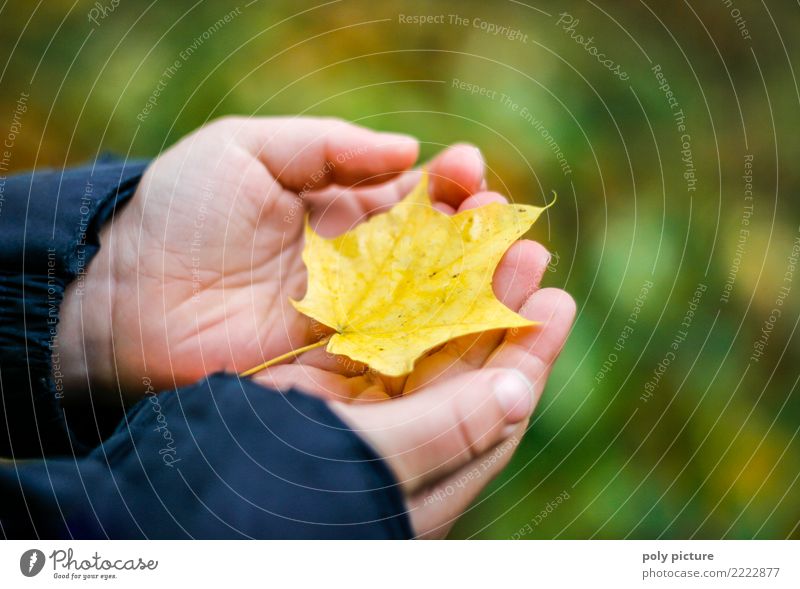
{"x": 207, "y": 256}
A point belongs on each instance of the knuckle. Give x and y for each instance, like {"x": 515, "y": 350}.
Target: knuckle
{"x": 474, "y": 424}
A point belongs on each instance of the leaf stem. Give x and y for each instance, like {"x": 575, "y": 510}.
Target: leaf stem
{"x": 282, "y": 357}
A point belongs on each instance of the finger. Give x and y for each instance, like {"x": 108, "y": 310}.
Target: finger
{"x": 456, "y": 174}
{"x": 336, "y": 209}
{"x": 458, "y": 171}
{"x": 480, "y": 199}
{"x": 319, "y": 383}
{"x": 533, "y": 350}
{"x": 443, "y": 208}
{"x": 367, "y": 200}
{"x": 517, "y": 276}
{"x": 306, "y": 153}
{"x": 324, "y": 360}
{"x": 425, "y": 437}
{"x": 372, "y": 394}
{"x": 435, "y": 509}
{"x": 520, "y": 273}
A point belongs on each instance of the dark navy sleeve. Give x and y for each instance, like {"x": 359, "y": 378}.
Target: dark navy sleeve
{"x": 224, "y": 458}
{"x": 49, "y": 227}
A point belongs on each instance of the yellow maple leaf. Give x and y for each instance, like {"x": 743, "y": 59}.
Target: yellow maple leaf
{"x": 410, "y": 279}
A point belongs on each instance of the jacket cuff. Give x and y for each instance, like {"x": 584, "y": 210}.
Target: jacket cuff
{"x": 49, "y": 227}
{"x": 224, "y": 458}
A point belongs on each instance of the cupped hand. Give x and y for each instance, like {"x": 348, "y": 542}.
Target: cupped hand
{"x": 448, "y": 441}
{"x": 195, "y": 273}
{"x": 472, "y": 397}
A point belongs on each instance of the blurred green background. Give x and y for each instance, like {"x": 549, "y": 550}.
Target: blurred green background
{"x": 703, "y": 447}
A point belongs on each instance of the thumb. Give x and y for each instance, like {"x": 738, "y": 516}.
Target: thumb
{"x": 432, "y": 433}
{"x": 304, "y": 153}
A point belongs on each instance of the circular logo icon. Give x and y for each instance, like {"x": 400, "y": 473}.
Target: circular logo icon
{"x": 31, "y": 562}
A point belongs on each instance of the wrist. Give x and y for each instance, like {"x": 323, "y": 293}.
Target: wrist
{"x": 83, "y": 351}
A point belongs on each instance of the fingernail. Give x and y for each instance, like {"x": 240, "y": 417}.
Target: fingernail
{"x": 514, "y": 392}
